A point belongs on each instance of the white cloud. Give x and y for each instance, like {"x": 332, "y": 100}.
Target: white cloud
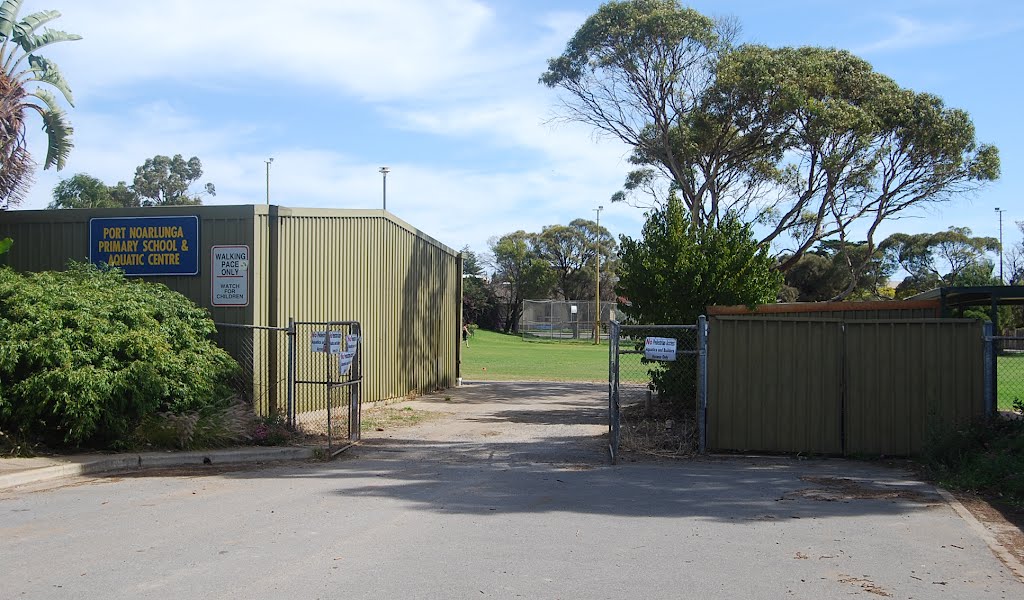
{"x": 916, "y": 33}
{"x": 380, "y": 49}
{"x": 443, "y": 71}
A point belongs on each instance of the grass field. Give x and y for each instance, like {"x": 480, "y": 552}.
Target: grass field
{"x": 1011, "y": 380}
{"x": 499, "y": 357}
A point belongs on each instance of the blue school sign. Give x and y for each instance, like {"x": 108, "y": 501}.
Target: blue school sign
{"x": 146, "y": 246}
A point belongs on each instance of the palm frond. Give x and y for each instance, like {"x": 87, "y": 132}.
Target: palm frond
{"x": 46, "y": 71}
{"x": 58, "y": 130}
{"x": 30, "y": 43}
{"x": 9, "y": 17}
{"x": 33, "y": 22}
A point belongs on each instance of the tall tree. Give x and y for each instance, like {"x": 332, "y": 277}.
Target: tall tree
{"x": 824, "y": 274}
{"x": 807, "y": 141}
{"x": 946, "y": 258}
{"x": 165, "y": 181}
{"x": 471, "y": 263}
{"x": 22, "y": 90}
{"x": 519, "y": 273}
{"x": 82, "y": 191}
{"x": 570, "y": 250}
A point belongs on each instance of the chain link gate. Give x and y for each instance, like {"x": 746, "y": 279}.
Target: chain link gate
{"x": 326, "y": 373}
{"x": 667, "y": 363}
{"x": 309, "y": 373}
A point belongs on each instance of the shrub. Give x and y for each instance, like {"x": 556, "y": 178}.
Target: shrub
{"x": 678, "y": 269}
{"x": 212, "y": 426}
{"x": 986, "y": 457}
{"x": 87, "y": 353}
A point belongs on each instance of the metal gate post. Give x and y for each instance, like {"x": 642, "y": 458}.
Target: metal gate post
{"x": 290, "y": 384}
{"x": 328, "y": 381}
{"x": 702, "y": 382}
{"x": 355, "y": 396}
{"x": 613, "y": 392}
{"x": 988, "y": 334}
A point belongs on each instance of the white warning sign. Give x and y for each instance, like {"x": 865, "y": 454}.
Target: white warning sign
{"x": 230, "y": 276}
{"x": 659, "y": 348}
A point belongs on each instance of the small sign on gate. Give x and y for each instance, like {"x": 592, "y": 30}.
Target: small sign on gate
{"x": 345, "y": 362}
{"x": 659, "y": 348}
{"x": 318, "y": 342}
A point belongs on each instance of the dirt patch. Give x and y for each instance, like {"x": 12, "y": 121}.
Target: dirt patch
{"x": 1004, "y": 522}
{"x": 865, "y": 584}
{"x": 842, "y": 489}
{"x": 387, "y": 417}
{"x": 658, "y": 430}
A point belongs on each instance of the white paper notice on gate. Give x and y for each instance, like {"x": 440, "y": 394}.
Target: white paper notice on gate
{"x": 351, "y": 342}
{"x": 345, "y": 362}
{"x": 318, "y": 341}
{"x": 658, "y": 348}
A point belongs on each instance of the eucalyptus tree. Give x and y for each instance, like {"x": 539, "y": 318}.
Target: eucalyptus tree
{"x": 946, "y": 258}
{"x": 570, "y": 250}
{"x": 25, "y": 79}
{"x": 165, "y": 181}
{"x": 810, "y": 144}
{"x": 519, "y": 274}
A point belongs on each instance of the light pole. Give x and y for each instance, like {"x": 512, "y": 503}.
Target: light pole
{"x": 268, "y": 161}
{"x": 1001, "y": 211}
{"x": 384, "y": 171}
{"x": 597, "y": 273}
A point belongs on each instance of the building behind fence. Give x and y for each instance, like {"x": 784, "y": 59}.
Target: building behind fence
{"x": 564, "y": 320}
{"x": 314, "y": 265}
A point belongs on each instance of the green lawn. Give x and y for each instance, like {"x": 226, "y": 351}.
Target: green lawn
{"x": 1011, "y": 380}
{"x": 500, "y": 357}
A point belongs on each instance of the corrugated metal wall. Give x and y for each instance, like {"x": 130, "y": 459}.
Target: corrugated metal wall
{"x": 362, "y": 265}
{"x": 906, "y": 380}
{"x": 835, "y": 387}
{"x": 370, "y": 267}
{"x": 774, "y": 386}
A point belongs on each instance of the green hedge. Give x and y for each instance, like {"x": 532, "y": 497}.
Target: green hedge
{"x": 85, "y": 354}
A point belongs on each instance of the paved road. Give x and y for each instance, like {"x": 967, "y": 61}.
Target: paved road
{"x": 508, "y": 495}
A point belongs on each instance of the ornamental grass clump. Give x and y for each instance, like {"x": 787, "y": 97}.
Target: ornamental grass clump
{"x": 86, "y": 354}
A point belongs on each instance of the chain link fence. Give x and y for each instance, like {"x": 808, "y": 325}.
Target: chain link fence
{"x": 1009, "y": 355}
{"x": 307, "y": 375}
{"x": 262, "y": 354}
{"x": 564, "y": 320}
{"x": 657, "y": 389}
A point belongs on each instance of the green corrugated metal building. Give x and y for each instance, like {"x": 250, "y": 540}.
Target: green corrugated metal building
{"x": 403, "y": 286}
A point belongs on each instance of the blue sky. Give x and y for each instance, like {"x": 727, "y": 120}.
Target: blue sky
{"x": 445, "y": 93}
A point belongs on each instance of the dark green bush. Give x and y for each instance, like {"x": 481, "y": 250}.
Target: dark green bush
{"x": 85, "y": 354}
{"x": 986, "y": 457}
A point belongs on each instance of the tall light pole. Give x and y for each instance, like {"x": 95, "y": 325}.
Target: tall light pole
{"x": 597, "y": 273}
{"x": 268, "y": 161}
{"x": 1001, "y": 211}
{"x": 384, "y": 171}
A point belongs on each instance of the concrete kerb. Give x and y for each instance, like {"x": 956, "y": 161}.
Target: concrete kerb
{"x": 983, "y": 532}
{"x": 132, "y": 462}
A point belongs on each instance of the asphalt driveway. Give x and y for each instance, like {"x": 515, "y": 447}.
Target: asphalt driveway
{"x": 507, "y": 494}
